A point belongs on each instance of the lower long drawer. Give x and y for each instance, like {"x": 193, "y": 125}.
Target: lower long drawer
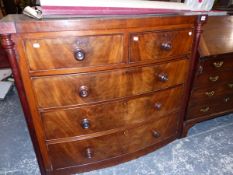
{"x": 223, "y": 103}
{"x": 96, "y": 118}
{"x": 109, "y": 146}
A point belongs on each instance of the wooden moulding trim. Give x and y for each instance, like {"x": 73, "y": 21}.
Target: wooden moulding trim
{"x": 8, "y": 45}
{"x": 54, "y": 25}
{"x": 7, "y": 28}
{"x": 193, "y": 67}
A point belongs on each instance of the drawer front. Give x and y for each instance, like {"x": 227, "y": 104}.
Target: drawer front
{"x": 74, "y": 52}
{"x": 220, "y": 63}
{"x": 96, "y": 118}
{"x": 109, "y": 146}
{"x": 157, "y": 46}
{"x": 210, "y": 93}
{"x": 221, "y": 104}
{"x": 213, "y": 79}
{"x": 67, "y": 90}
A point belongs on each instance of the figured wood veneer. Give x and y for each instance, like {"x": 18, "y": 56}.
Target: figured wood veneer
{"x": 125, "y": 142}
{"x": 95, "y": 96}
{"x": 58, "y": 53}
{"x": 152, "y": 45}
{"x": 102, "y": 117}
{"x": 64, "y": 90}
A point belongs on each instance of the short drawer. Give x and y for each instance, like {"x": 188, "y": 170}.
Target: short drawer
{"x": 158, "y": 46}
{"x": 74, "y": 52}
{"x": 212, "y": 79}
{"x": 218, "y": 63}
{"x": 210, "y": 93}
{"x": 80, "y": 89}
{"x": 110, "y": 146}
{"x": 221, "y": 104}
{"x": 97, "y": 118}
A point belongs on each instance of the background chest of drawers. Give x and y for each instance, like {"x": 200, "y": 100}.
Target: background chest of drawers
{"x": 212, "y": 93}
{"x": 100, "y": 91}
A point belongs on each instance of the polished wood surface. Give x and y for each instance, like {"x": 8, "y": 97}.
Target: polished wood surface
{"x": 94, "y": 98}
{"x": 58, "y": 53}
{"x": 217, "y": 63}
{"x": 127, "y": 141}
{"x": 212, "y": 79}
{"x": 212, "y": 92}
{"x": 222, "y": 103}
{"x": 157, "y": 46}
{"x": 102, "y": 117}
{"x": 107, "y": 85}
{"x": 4, "y": 63}
{"x": 217, "y": 36}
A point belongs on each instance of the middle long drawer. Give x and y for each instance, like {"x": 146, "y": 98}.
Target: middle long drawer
{"x": 102, "y": 117}
{"x": 77, "y": 89}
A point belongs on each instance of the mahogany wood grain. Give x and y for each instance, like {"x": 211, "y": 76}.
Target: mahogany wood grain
{"x": 9, "y": 47}
{"x": 111, "y": 89}
{"x": 210, "y": 94}
{"x": 217, "y": 36}
{"x": 192, "y": 69}
{"x": 217, "y": 63}
{"x": 4, "y": 63}
{"x": 211, "y": 79}
{"x": 129, "y": 141}
{"x": 59, "y": 53}
{"x": 24, "y": 24}
{"x": 55, "y": 91}
{"x": 159, "y": 45}
{"x": 68, "y": 123}
{"x": 222, "y": 103}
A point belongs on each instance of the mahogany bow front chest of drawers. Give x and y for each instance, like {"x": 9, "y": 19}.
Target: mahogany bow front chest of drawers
{"x": 100, "y": 91}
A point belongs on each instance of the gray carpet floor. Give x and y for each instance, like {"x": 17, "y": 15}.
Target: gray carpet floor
{"x": 208, "y": 149}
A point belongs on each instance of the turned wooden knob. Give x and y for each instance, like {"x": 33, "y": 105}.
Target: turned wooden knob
{"x": 85, "y": 123}
{"x": 156, "y": 134}
{"x": 89, "y": 153}
{"x": 79, "y": 55}
{"x": 83, "y": 91}
{"x": 158, "y": 106}
{"x": 163, "y": 77}
{"x": 166, "y": 46}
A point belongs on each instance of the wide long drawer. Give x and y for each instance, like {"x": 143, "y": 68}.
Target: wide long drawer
{"x": 109, "y": 146}
{"x": 74, "y": 52}
{"x": 102, "y": 117}
{"x": 157, "y": 46}
{"x": 217, "y": 63}
{"x": 65, "y": 90}
{"x": 212, "y": 79}
{"x": 221, "y": 104}
{"x": 209, "y": 94}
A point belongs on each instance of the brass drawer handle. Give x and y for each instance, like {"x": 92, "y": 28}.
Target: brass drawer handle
{"x": 166, "y": 46}
{"x": 226, "y": 99}
{"x": 89, "y": 153}
{"x": 205, "y": 109}
{"x": 163, "y": 77}
{"x": 230, "y": 85}
{"x": 218, "y": 64}
{"x": 85, "y": 123}
{"x": 157, "y": 106}
{"x": 214, "y": 78}
{"x": 79, "y": 55}
{"x": 83, "y": 91}
{"x": 156, "y": 134}
{"x": 210, "y": 94}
